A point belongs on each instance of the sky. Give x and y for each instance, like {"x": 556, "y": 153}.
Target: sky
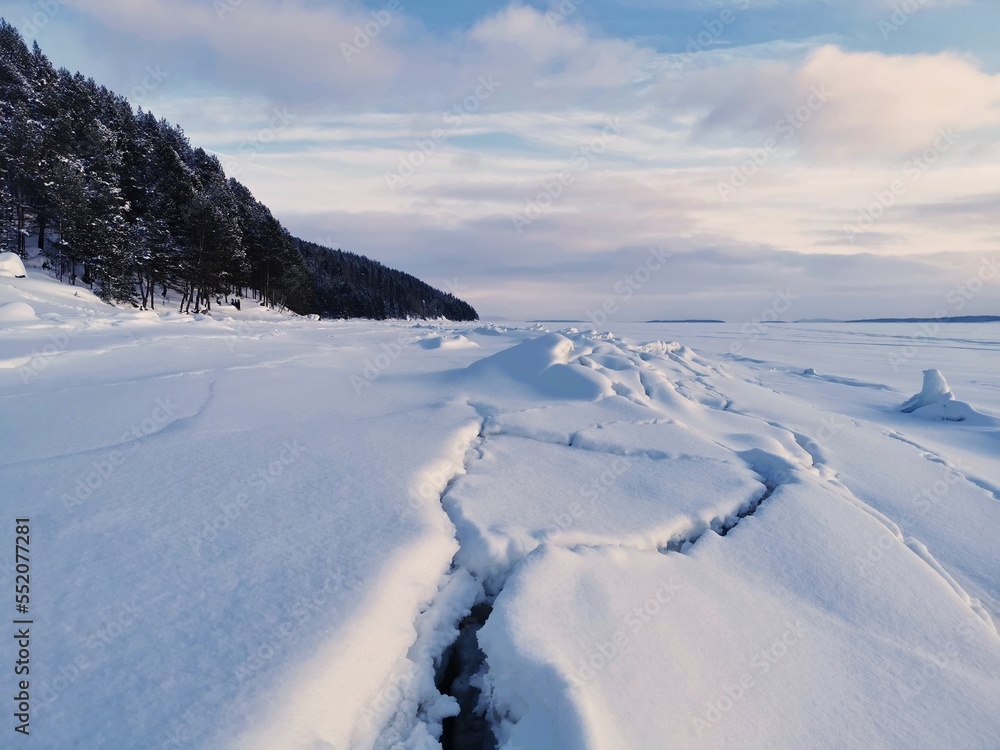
{"x": 595, "y": 160}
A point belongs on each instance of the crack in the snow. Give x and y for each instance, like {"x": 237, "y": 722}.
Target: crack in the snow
{"x": 463, "y": 660}
{"x": 936, "y": 458}
{"x": 461, "y": 664}
{"x": 721, "y": 525}
{"x": 458, "y": 663}
{"x": 821, "y": 469}
{"x": 611, "y": 450}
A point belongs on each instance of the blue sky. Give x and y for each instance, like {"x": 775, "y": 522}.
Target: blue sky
{"x": 531, "y": 155}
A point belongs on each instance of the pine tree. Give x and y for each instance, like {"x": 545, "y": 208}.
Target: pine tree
{"x": 136, "y": 207}
{"x": 214, "y": 261}
{"x": 16, "y": 92}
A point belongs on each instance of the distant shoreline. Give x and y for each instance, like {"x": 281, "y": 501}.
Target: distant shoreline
{"x": 952, "y": 319}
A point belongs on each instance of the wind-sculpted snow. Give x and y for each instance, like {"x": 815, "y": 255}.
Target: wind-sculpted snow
{"x": 524, "y": 494}
{"x": 757, "y": 639}
{"x": 447, "y": 342}
{"x": 936, "y": 401}
{"x": 260, "y": 531}
{"x": 628, "y": 476}
{"x": 542, "y": 365}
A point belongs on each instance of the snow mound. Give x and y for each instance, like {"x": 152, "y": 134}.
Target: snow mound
{"x": 447, "y": 342}
{"x": 16, "y": 312}
{"x": 492, "y": 329}
{"x": 936, "y": 402}
{"x": 11, "y": 265}
{"x": 934, "y": 391}
{"x": 547, "y": 365}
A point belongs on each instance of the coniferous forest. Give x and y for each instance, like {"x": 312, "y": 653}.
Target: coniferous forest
{"x": 122, "y": 201}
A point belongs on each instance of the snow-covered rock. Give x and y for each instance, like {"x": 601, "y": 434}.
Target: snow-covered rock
{"x": 11, "y": 265}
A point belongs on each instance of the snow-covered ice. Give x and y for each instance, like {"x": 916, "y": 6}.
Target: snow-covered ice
{"x": 253, "y": 530}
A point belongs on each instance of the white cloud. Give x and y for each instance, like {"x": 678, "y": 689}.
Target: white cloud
{"x": 299, "y": 42}
{"x": 684, "y": 128}
{"x": 875, "y": 105}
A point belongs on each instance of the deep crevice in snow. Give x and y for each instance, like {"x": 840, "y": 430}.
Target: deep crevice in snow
{"x": 462, "y": 664}
{"x": 452, "y": 667}
{"x": 459, "y": 677}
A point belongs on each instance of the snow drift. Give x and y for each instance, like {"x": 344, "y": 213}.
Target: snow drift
{"x": 16, "y": 312}
{"x": 547, "y": 365}
{"x": 11, "y": 265}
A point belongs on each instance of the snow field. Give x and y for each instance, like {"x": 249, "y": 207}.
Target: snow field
{"x": 569, "y": 539}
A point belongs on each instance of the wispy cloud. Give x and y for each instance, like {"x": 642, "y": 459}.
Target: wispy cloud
{"x": 811, "y": 125}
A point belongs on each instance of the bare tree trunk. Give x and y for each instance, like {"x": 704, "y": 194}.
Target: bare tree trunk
{"x": 20, "y": 232}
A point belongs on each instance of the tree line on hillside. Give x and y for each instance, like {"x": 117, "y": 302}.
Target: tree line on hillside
{"x": 352, "y": 286}
{"x": 122, "y": 200}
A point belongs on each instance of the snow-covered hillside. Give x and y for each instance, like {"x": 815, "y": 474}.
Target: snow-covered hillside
{"x": 252, "y": 530}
